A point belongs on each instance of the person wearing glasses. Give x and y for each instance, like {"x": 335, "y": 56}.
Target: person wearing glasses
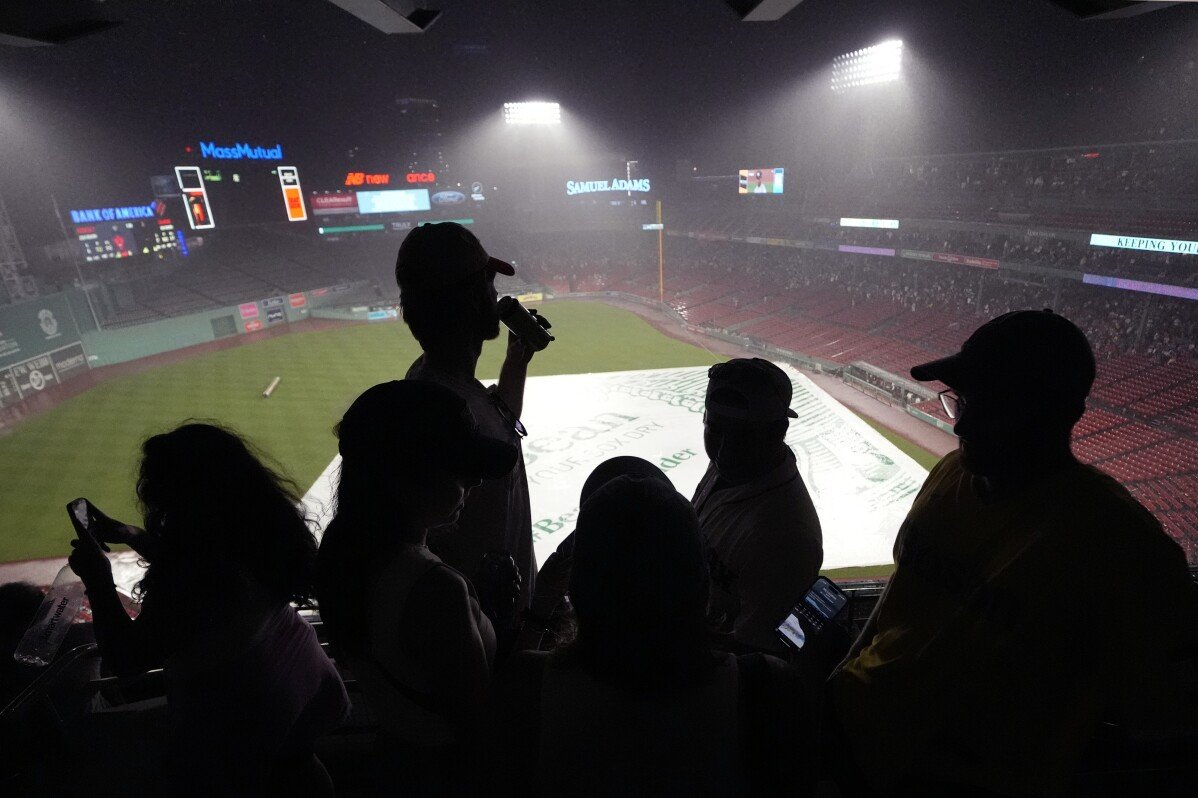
{"x": 447, "y": 295}
{"x": 763, "y": 537}
{"x": 1030, "y": 590}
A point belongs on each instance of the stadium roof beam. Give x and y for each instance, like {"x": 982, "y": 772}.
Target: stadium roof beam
{"x": 390, "y": 16}
{"x": 36, "y": 23}
{"x": 1110, "y": 9}
{"x": 532, "y": 113}
{"x": 762, "y": 10}
{"x": 881, "y": 63}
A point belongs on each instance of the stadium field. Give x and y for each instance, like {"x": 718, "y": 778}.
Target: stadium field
{"x": 88, "y": 446}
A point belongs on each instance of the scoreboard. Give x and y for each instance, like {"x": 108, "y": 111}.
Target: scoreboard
{"x": 116, "y": 240}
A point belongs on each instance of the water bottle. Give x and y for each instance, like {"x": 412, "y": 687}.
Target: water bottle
{"x": 59, "y": 608}
{"x": 533, "y": 329}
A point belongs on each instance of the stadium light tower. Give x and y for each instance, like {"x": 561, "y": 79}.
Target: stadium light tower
{"x": 532, "y": 113}
{"x": 881, "y": 63}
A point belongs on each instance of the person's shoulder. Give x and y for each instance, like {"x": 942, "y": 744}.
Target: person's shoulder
{"x": 1112, "y": 515}
{"x": 441, "y": 586}
{"x": 948, "y": 467}
{"x": 1101, "y": 497}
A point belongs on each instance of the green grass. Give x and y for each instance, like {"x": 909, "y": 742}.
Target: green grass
{"x": 916, "y": 453}
{"x": 88, "y": 446}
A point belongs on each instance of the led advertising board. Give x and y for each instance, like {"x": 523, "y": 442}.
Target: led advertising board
{"x": 341, "y": 202}
{"x": 761, "y": 181}
{"x": 1165, "y": 246}
{"x": 293, "y": 199}
{"x": 881, "y": 224}
{"x": 195, "y": 197}
{"x": 394, "y": 201}
{"x": 1161, "y": 289}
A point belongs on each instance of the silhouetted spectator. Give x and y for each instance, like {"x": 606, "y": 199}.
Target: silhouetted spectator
{"x": 408, "y": 625}
{"x": 637, "y": 703}
{"x": 447, "y": 285}
{"x": 764, "y": 545}
{"x": 1030, "y": 590}
{"x": 249, "y": 688}
{"x": 544, "y": 618}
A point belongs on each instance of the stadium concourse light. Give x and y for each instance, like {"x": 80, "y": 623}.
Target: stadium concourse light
{"x": 881, "y": 63}
{"x": 532, "y": 113}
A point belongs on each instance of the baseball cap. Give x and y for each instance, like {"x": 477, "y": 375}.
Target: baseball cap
{"x": 441, "y": 254}
{"x": 1023, "y": 347}
{"x": 425, "y": 422}
{"x": 749, "y": 389}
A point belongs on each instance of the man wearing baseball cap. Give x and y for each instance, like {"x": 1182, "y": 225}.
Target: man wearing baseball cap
{"x": 1030, "y": 590}
{"x": 447, "y": 294}
{"x": 764, "y": 544}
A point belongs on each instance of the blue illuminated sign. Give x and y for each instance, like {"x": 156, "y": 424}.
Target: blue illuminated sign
{"x": 90, "y": 215}
{"x": 394, "y": 201}
{"x": 210, "y": 149}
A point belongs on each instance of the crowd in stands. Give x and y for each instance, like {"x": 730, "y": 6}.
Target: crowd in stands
{"x": 694, "y": 651}
{"x": 1152, "y": 183}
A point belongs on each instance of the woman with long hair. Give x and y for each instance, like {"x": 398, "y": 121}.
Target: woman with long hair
{"x": 249, "y": 688}
{"x": 408, "y": 626}
{"x": 637, "y": 702}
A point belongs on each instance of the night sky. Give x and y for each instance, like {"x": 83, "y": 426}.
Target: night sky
{"x": 87, "y": 121}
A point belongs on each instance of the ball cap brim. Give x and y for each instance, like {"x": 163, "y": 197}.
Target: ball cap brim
{"x": 443, "y": 253}
{"x": 749, "y": 389}
{"x": 1035, "y": 348}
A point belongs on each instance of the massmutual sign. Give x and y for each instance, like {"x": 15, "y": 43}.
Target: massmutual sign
{"x": 1165, "y": 245}
{"x": 235, "y": 152}
{"x": 619, "y": 184}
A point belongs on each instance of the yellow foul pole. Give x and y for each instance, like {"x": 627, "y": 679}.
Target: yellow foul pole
{"x": 661, "y": 280}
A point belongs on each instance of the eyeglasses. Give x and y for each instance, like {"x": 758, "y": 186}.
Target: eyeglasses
{"x": 952, "y": 404}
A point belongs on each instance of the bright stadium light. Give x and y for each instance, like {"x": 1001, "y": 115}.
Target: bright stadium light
{"x": 532, "y": 113}
{"x": 881, "y": 63}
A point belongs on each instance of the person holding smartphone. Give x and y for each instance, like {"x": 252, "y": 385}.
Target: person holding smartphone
{"x": 763, "y": 536}
{"x": 249, "y": 688}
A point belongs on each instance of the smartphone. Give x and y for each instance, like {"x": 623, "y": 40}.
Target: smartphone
{"x": 85, "y": 518}
{"x": 820, "y": 605}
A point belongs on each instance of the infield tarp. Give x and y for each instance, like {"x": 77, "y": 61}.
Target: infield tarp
{"x": 862, "y": 485}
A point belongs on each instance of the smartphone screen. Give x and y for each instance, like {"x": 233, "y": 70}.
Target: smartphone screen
{"x": 818, "y": 607}
{"x": 825, "y": 599}
{"x": 83, "y": 516}
{"x": 78, "y": 509}
{"x": 792, "y": 632}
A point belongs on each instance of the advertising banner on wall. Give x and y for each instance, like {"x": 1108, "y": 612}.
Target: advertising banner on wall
{"x": 329, "y": 204}
{"x": 36, "y": 374}
{"x": 35, "y": 328}
{"x": 862, "y": 485}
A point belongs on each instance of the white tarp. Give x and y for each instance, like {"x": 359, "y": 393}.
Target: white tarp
{"x": 862, "y": 485}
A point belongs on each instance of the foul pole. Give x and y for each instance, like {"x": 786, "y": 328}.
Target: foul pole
{"x": 661, "y": 280}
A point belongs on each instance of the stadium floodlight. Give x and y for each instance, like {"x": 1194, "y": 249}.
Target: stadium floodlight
{"x": 532, "y": 113}
{"x": 881, "y": 63}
